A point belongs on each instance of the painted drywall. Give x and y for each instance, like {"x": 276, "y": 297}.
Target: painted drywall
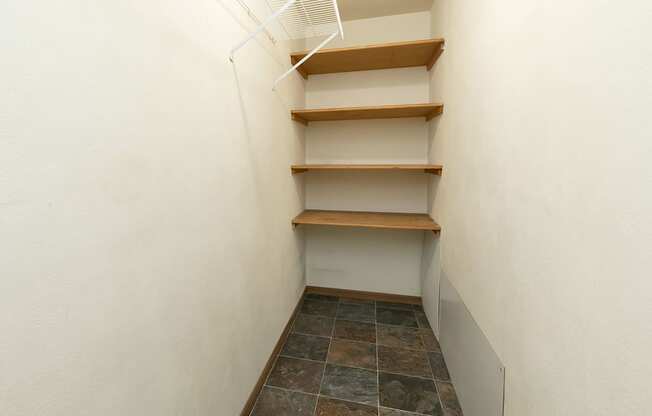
{"x": 371, "y": 260}
{"x": 147, "y": 261}
{"x": 545, "y": 201}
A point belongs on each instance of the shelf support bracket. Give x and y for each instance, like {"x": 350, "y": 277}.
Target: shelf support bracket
{"x": 304, "y": 59}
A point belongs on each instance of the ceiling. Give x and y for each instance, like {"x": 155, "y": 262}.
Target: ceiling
{"x": 362, "y": 9}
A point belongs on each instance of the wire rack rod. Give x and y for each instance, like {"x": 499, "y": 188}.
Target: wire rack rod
{"x": 300, "y": 19}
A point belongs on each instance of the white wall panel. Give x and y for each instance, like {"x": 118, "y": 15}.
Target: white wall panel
{"x": 382, "y": 261}
{"x": 364, "y": 259}
{"x": 476, "y": 371}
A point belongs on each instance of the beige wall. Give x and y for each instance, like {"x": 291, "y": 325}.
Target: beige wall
{"x": 147, "y": 261}
{"x": 546, "y": 196}
{"x": 372, "y": 260}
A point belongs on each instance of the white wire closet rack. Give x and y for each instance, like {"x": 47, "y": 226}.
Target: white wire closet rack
{"x": 300, "y": 19}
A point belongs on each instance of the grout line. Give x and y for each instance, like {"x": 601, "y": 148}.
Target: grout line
{"x": 432, "y": 373}
{"x": 362, "y": 368}
{"x": 399, "y": 326}
{"x": 309, "y": 335}
{"x": 312, "y": 335}
{"x": 312, "y": 315}
{"x": 291, "y": 391}
{"x": 375, "y": 321}
{"x": 408, "y": 375}
{"x": 359, "y": 322}
{"x": 302, "y": 359}
{"x": 347, "y": 400}
{"x": 350, "y": 366}
{"x": 441, "y": 404}
{"x": 336, "y": 398}
{"x": 377, "y": 358}
{"x": 352, "y": 340}
{"x": 318, "y": 316}
{"x": 323, "y": 375}
{"x": 405, "y": 348}
{"x": 397, "y": 309}
{"x": 403, "y": 411}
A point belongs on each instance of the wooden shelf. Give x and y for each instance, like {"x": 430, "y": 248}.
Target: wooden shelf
{"x": 368, "y": 57}
{"x": 368, "y": 220}
{"x": 428, "y": 111}
{"x": 433, "y": 169}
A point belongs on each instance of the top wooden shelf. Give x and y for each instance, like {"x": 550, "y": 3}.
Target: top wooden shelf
{"x": 364, "y": 58}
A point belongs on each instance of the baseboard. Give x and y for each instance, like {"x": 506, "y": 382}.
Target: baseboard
{"x": 358, "y": 294}
{"x": 249, "y": 406}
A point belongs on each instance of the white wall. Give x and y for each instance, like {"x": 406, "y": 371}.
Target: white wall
{"x": 372, "y": 260}
{"x": 147, "y": 261}
{"x": 546, "y": 198}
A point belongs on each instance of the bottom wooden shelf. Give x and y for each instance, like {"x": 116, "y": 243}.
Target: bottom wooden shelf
{"x": 398, "y": 221}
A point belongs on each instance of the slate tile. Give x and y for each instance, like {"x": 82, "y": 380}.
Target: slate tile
{"x": 395, "y": 305}
{"x": 396, "y": 317}
{"x": 352, "y": 354}
{"x": 306, "y": 346}
{"x": 438, "y": 366}
{"x": 333, "y": 407}
{"x": 357, "y": 301}
{"x": 322, "y": 298}
{"x": 402, "y": 361}
{"x": 422, "y": 320}
{"x": 277, "y": 402}
{"x": 356, "y": 331}
{"x": 295, "y": 374}
{"x": 315, "y": 307}
{"x": 429, "y": 340}
{"x": 355, "y": 312}
{"x": 410, "y": 394}
{"x": 393, "y": 412}
{"x": 313, "y": 325}
{"x": 401, "y": 337}
{"x": 352, "y": 384}
{"x": 448, "y": 396}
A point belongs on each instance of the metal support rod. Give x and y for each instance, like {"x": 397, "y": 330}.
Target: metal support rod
{"x": 339, "y": 20}
{"x": 304, "y": 59}
{"x": 260, "y": 27}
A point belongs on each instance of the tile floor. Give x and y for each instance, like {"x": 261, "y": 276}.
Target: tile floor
{"x": 349, "y": 357}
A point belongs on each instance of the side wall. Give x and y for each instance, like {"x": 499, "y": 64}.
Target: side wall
{"x": 545, "y": 200}
{"x": 371, "y": 260}
{"x": 147, "y": 259}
